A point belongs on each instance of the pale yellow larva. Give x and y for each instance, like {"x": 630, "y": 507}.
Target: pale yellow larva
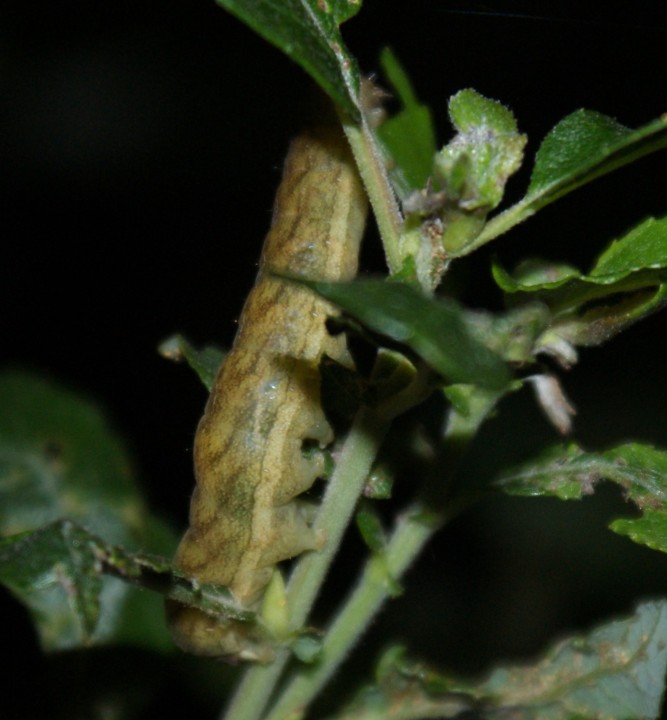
{"x": 249, "y": 460}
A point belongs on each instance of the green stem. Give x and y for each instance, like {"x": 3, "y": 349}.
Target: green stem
{"x": 413, "y": 530}
{"x": 346, "y": 485}
{"x": 343, "y": 490}
{"x": 374, "y": 175}
{"x": 374, "y": 587}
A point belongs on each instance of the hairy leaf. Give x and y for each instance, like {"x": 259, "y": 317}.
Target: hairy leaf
{"x": 488, "y": 143}
{"x": 307, "y": 31}
{"x": 471, "y": 171}
{"x": 580, "y": 148}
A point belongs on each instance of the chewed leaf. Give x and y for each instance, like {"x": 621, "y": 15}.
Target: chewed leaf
{"x": 53, "y": 571}
{"x": 307, "y": 31}
{"x": 615, "y": 672}
{"x": 58, "y": 571}
{"x": 204, "y": 361}
{"x": 650, "y": 529}
{"x": 437, "y": 330}
{"x": 579, "y": 149}
{"x": 569, "y": 473}
{"x": 59, "y": 458}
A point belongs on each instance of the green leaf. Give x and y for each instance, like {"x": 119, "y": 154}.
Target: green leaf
{"x": 512, "y": 335}
{"x": 60, "y": 459}
{"x": 626, "y": 283}
{"x": 579, "y": 149}
{"x": 380, "y": 482}
{"x": 53, "y": 571}
{"x": 643, "y": 248}
{"x": 204, "y": 361}
{"x": 579, "y": 142}
{"x": 307, "y": 648}
{"x": 370, "y": 527}
{"x": 57, "y": 571}
{"x": 616, "y": 672}
{"x": 640, "y": 250}
{"x": 650, "y": 529}
{"x": 487, "y": 143}
{"x": 473, "y": 168}
{"x": 307, "y": 32}
{"x": 409, "y": 136}
{"x": 437, "y": 330}
{"x": 569, "y": 473}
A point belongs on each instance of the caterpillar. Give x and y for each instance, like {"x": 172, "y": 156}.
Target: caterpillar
{"x": 264, "y": 407}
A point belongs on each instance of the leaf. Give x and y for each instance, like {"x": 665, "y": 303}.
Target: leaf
{"x": 569, "y": 473}
{"x": 471, "y": 171}
{"x": 404, "y": 690}
{"x": 204, "y": 361}
{"x": 409, "y": 136}
{"x": 643, "y": 248}
{"x": 59, "y": 459}
{"x": 488, "y": 142}
{"x": 580, "y": 148}
{"x": 52, "y": 571}
{"x": 579, "y": 142}
{"x": 307, "y": 648}
{"x": 616, "y": 672}
{"x": 650, "y": 529}
{"x": 307, "y": 32}
{"x": 57, "y": 572}
{"x": 370, "y": 527}
{"x": 626, "y": 283}
{"x": 437, "y": 330}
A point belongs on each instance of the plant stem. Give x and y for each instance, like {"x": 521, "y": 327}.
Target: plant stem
{"x": 346, "y": 485}
{"x": 413, "y": 530}
{"x": 374, "y": 175}
{"x": 343, "y": 490}
{"x": 373, "y": 588}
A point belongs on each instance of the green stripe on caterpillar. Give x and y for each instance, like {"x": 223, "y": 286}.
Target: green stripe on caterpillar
{"x": 265, "y": 403}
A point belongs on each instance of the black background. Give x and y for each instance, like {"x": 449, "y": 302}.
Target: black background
{"x": 141, "y": 145}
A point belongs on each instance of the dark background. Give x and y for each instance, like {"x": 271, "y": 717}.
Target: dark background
{"x": 141, "y": 145}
